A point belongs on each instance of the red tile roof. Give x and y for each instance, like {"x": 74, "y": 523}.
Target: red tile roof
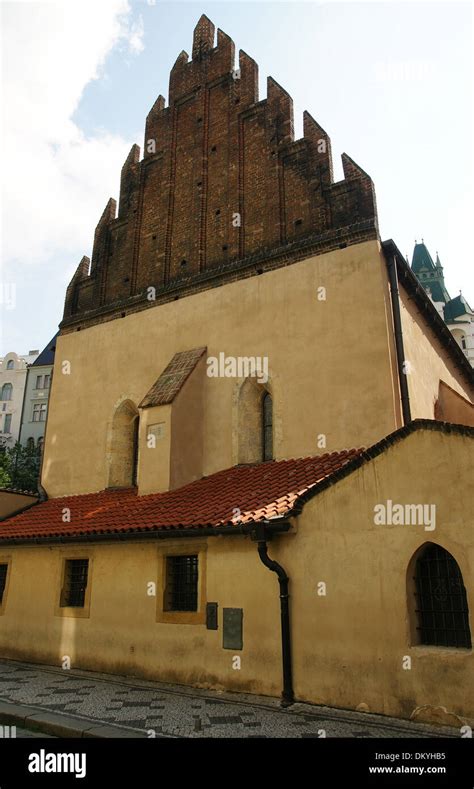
{"x": 173, "y": 378}
{"x": 239, "y": 495}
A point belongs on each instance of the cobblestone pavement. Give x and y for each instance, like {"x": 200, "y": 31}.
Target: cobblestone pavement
{"x": 175, "y": 711}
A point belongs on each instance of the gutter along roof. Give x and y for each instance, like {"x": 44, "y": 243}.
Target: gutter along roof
{"x": 416, "y": 291}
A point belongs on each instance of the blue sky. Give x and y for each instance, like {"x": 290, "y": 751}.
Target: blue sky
{"x": 390, "y": 82}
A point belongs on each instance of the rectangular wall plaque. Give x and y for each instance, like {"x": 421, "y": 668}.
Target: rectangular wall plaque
{"x": 232, "y": 628}
{"x": 211, "y": 616}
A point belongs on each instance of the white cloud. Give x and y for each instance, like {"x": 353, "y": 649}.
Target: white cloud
{"x": 135, "y": 40}
{"x": 55, "y": 179}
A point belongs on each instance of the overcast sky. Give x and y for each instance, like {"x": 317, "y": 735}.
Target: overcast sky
{"x": 391, "y": 83}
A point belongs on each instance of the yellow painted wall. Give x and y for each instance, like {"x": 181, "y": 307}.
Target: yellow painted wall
{"x": 430, "y": 363}
{"x": 348, "y": 646}
{"x": 355, "y": 638}
{"x": 315, "y": 349}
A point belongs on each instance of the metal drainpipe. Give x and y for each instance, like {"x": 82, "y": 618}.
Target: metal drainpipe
{"x": 287, "y": 696}
{"x": 397, "y": 325}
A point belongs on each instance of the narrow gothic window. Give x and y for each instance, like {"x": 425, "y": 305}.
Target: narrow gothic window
{"x": 441, "y": 601}
{"x": 267, "y": 413}
{"x": 124, "y": 446}
{"x": 135, "y": 451}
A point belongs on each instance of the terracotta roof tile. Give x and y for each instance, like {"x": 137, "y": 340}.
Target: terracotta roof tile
{"x": 173, "y": 377}
{"x": 239, "y": 495}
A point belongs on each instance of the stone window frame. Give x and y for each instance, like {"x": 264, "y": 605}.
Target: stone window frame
{"x": 273, "y": 387}
{"x": 412, "y": 619}
{"x": 74, "y": 612}
{"x": 182, "y": 547}
{"x": 5, "y": 559}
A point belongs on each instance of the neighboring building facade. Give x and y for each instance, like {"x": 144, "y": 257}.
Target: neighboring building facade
{"x": 36, "y": 397}
{"x": 227, "y": 414}
{"x": 456, "y": 312}
{"x": 13, "y": 372}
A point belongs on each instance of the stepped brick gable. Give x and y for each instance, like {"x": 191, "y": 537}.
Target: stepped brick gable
{"x": 223, "y": 191}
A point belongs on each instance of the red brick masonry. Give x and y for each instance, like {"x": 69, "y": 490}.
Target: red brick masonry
{"x": 223, "y": 190}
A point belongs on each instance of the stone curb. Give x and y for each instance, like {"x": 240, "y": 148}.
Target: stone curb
{"x": 59, "y": 725}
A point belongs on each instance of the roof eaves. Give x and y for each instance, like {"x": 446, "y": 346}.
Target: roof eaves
{"x": 150, "y": 533}
{"x": 423, "y": 302}
{"x": 374, "y": 451}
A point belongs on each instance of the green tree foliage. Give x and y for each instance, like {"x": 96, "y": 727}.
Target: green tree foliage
{"x": 19, "y": 467}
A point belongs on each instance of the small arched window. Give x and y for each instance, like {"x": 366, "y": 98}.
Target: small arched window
{"x": 30, "y": 443}
{"x": 7, "y": 390}
{"x": 10, "y": 364}
{"x": 463, "y": 342}
{"x": 267, "y": 432}
{"x": 40, "y": 443}
{"x": 440, "y": 600}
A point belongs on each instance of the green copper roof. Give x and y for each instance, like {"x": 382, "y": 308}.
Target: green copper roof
{"x": 422, "y": 259}
{"x": 438, "y": 291}
{"x": 430, "y": 274}
{"x": 455, "y": 308}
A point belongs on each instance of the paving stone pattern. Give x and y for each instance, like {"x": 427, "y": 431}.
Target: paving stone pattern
{"x": 176, "y": 711}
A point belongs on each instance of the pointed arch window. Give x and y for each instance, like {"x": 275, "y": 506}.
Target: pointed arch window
{"x": 267, "y": 431}
{"x": 136, "y": 423}
{"x": 123, "y": 446}
{"x": 441, "y": 602}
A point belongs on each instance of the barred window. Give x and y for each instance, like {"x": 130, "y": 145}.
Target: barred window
{"x": 3, "y": 580}
{"x": 73, "y": 592}
{"x": 181, "y": 592}
{"x": 441, "y": 600}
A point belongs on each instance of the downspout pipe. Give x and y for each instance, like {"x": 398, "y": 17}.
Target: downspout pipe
{"x": 397, "y": 325}
{"x": 287, "y": 696}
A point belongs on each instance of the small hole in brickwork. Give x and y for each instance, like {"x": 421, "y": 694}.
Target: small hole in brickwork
{"x": 176, "y": 298}
{"x": 237, "y": 101}
{"x": 154, "y": 238}
{"x": 127, "y": 279}
{"x": 224, "y": 248}
{"x": 183, "y": 263}
{"x": 199, "y": 183}
{"x": 199, "y": 120}
{"x": 78, "y": 328}
{"x": 122, "y": 315}
{"x": 218, "y": 212}
{"x": 214, "y": 148}
{"x": 260, "y": 271}
{"x": 298, "y": 222}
